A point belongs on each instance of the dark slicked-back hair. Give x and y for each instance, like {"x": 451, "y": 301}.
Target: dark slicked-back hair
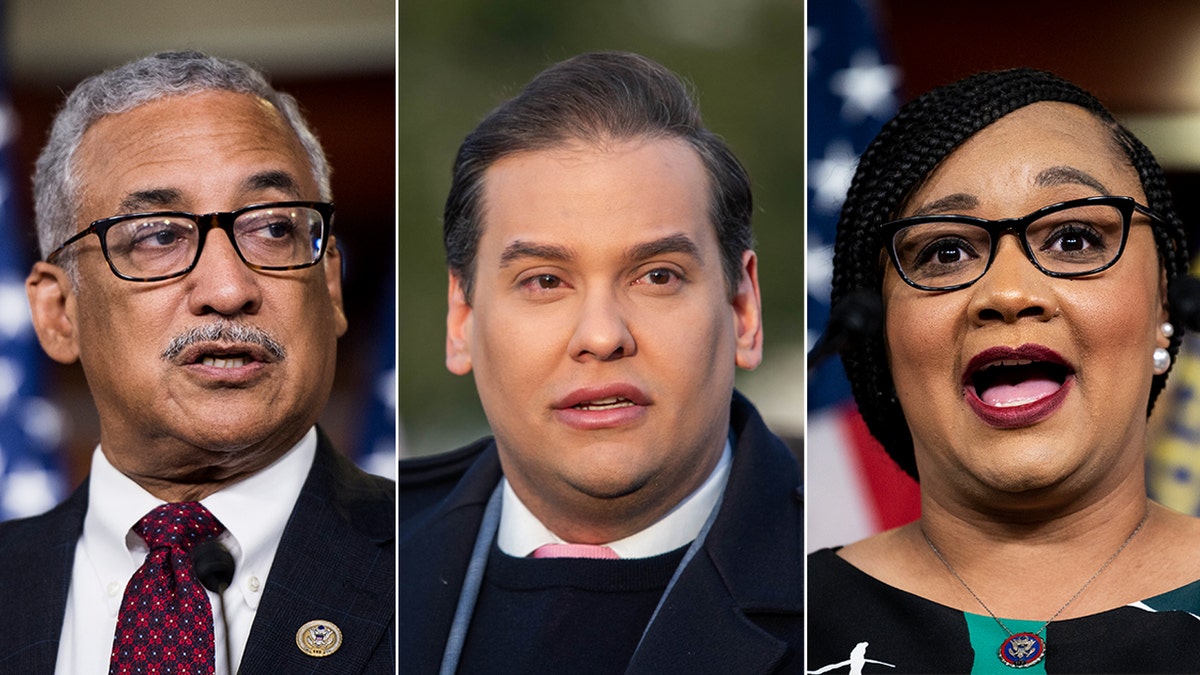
{"x": 597, "y": 98}
{"x": 898, "y": 162}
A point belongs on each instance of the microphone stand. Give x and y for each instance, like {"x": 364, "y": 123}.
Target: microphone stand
{"x": 1184, "y": 300}
{"x": 857, "y": 316}
{"x": 214, "y": 568}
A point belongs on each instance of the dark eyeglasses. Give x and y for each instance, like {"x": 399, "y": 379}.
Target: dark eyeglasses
{"x": 1070, "y": 239}
{"x": 162, "y": 245}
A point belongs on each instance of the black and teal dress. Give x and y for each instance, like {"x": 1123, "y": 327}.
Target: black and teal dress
{"x": 858, "y": 624}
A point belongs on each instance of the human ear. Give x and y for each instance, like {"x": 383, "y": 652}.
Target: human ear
{"x": 459, "y": 316}
{"x": 333, "y": 281}
{"x": 747, "y": 314}
{"x": 52, "y": 305}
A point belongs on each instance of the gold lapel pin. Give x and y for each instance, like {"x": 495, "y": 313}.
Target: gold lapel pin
{"x": 319, "y": 638}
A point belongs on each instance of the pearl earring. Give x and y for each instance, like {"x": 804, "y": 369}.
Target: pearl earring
{"x": 1162, "y": 360}
{"x": 1167, "y": 329}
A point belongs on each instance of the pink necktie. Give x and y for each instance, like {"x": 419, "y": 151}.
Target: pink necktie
{"x": 165, "y": 624}
{"x": 575, "y": 551}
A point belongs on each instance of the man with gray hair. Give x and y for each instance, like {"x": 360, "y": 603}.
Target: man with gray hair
{"x": 183, "y": 212}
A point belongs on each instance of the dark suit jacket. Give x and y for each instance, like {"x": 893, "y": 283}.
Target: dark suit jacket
{"x": 336, "y": 561}
{"x": 736, "y": 609}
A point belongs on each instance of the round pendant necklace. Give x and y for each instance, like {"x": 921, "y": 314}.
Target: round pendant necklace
{"x": 1022, "y": 650}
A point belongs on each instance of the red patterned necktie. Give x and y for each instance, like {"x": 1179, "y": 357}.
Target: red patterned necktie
{"x": 165, "y": 626}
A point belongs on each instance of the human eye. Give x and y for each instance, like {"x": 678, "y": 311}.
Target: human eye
{"x": 941, "y": 253}
{"x": 1076, "y": 240}
{"x": 542, "y": 284}
{"x": 150, "y": 235}
{"x": 660, "y": 279}
{"x": 267, "y": 226}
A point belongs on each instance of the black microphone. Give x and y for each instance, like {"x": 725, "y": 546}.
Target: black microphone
{"x": 1184, "y": 301}
{"x": 859, "y": 315}
{"x": 214, "y": 568}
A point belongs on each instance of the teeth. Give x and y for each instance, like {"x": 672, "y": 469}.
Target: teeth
{"x": 1016, "y": 402}
{"x": 1009, "y": 362}
{"x": 214, "y": 362}
{"x": 605, "y": 403}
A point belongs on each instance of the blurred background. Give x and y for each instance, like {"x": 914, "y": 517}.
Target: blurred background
{"x": 461, "y": 58}
{"x": 338, "y": 60}
{"x": 866, "y": 58}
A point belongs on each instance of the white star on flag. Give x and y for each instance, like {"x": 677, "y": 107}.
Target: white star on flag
{"x": 818, "y": 268}
{"x": 11, "y": 377}
{"x": 830, "y": 176}
{"x": 27, "y": 491}
{"x": 866, "y": 87}
{"x": 14, "y": 310}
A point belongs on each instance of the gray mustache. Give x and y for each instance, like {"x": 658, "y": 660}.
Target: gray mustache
{"x": 224, "y": 332}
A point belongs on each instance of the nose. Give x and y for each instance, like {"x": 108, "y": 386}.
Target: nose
{"x": 1013, "y": 288}
{"x": 602, "y": 329}
{"x": 220, "y": 282}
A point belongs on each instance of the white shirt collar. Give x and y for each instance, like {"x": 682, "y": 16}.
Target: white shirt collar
{"x": 521, "y": 532}
{"x": 254, "y": 512}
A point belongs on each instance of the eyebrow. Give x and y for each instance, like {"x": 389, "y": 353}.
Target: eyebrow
{"x": 1064, "y": 175}
{"x": 146, "y": 200}
{"x": 272, "y": 180}
{"x": 519, "y": 250}
{"x": 1055, "y": 175}
{"x": 675, "y": 243}
{"x": 959, "y": 201}
{"x": 167, "y": 198}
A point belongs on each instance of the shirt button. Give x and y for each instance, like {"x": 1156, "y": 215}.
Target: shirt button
{"x": 252, "y": 584}
{"x": 114, "y": 589}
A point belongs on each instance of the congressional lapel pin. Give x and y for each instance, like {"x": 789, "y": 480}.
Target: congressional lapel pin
{"x": 319, "y": 638}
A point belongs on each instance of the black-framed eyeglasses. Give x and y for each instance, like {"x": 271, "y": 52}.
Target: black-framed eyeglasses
{"x": 167, "y": 244}
{"x": 1070, "y": 239}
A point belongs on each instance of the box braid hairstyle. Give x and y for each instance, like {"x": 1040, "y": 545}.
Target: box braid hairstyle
{"x": 895, "y": 165}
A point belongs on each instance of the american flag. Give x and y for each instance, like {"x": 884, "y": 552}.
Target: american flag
{"x": 854, "y": 489}
{"x": 31, "y": 427}
{"x": 377, "y": 452}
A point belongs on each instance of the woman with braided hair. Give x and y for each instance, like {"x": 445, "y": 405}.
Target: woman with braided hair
{"x": 1024, "y": 246}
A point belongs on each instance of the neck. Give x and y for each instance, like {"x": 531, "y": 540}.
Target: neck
{"x": 997, "y": 558}
{"x": 597, "y": 523}
{"x": 584, "y": 519}
{"x": 175, "y": 471}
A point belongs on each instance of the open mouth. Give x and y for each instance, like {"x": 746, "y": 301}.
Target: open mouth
{"x": 602, "y": 407}
{"x": 610, "y": 403}
{"x": 1013, "y": 382}
{"x": 226, "y": 361}
{"x": 223, "y": 356}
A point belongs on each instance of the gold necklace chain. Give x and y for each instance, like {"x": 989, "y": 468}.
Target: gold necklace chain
{"x": 1061, "y": 609}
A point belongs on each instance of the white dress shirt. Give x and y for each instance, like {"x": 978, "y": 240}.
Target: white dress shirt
{"x": 254, "y": 512}
{"x": 521, "y": 532}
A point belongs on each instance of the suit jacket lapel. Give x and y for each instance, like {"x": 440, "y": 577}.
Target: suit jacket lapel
{"x": 750, "y": 564}
{"x": 436, "y": 551}
{"x": 335, "y": 563}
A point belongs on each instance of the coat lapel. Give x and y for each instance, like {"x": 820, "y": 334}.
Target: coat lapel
{"x": 335, "y": 563}
{"x": 434, "y": 554}
{"x": 750, "y": 568}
